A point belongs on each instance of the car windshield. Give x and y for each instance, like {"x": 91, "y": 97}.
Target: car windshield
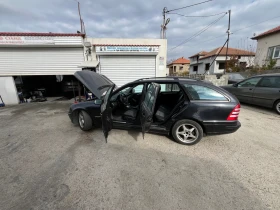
{"x": 236, "y": 76}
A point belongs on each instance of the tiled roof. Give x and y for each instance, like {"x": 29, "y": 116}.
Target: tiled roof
{"x": 181, "y": 60}
{"x": 271, "y": 31}
{"x": 202, "y": 53}
{"x": 231, "y": 51}
{"x": 38, "y": 34}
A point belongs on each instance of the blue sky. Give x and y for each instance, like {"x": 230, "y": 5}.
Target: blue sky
{"x": 142, "y": 19}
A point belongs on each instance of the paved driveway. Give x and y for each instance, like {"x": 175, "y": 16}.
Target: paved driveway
{"x": 47, "y": 163}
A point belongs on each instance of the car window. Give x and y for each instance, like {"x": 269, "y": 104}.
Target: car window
{"x": 169, "y": 88}
{"x": 270, "y": 82}
{"x": 249, "y": 82}
{"x": 138, "y": 88}
{"x": 149, "y": 97}
{"x": 235, "y": 76}
{"x": 199, "y": 92}
{"x": 127, "y": 90}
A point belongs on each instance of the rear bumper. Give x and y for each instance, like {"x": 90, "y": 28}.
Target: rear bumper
{"x": 223, "y": 127}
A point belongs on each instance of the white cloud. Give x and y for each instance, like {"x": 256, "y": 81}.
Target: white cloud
{"x": 136, "y": 19}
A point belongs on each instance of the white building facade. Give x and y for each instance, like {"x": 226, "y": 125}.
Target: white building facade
{"x": 268, "y": 47}
{"x": 29, "y": 54}
{"x": 210, "y": 63}
{"x": 58, "y": 55}
{"x": 126, "y": 60}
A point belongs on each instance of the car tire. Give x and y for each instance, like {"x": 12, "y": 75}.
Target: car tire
{"x": 84, "y": 120}
{"x": 277, "y": 106}
{"x": 187, "y": 132}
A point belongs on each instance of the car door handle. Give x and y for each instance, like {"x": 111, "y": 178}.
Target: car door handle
{"x": 250, "y": 88}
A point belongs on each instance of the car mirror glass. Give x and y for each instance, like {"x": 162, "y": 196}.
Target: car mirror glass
{"x": 98, "y": 101}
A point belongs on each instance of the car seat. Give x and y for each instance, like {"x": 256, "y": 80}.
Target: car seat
{"x": 163, "y": 112}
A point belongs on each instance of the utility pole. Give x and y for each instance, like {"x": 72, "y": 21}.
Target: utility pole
{"x": 228, "y": 32}
{"x": 163, "y": 23}
{"x": 81, "y": 22}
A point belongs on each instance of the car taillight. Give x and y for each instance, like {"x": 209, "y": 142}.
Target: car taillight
{"x": 234, "y": 113}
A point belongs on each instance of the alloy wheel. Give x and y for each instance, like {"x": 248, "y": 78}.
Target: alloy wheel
{"x": 278, "y": 107}
{"x": 81, "y": 120}
{"x": 187, "y": 133}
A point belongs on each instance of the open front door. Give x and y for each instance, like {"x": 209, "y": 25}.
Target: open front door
{"x": 106, "y": 113}
{"x": 148, "y": 107}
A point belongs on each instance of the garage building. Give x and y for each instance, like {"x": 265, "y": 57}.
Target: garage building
{"x": 37, "y": 54}
{"x": 48, "y": 59}
{"x": 126, "y": 60}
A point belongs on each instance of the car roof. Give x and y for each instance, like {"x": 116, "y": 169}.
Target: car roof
{"x": 164, "y": 79}
{"x": 267, "y": 75}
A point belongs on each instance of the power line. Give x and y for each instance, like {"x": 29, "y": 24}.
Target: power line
{"x": 255, "y": 24}
{"x": 238, "y": 30}
{"x": 198, "y": 15}
{"x": 187, "y": 6}
{"x": 199, "y": 32}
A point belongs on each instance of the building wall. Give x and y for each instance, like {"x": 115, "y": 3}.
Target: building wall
{"x": 8, "y": 90}
{"x": 201, "y": 66}
{"x": 161, "y": 70}
{"x": 262, "y": 48}
{"x": 185, "y": 69}
{"x": 214, "y": 69}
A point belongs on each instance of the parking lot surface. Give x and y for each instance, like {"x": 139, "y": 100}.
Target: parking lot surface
{"x": 48, "y": 163}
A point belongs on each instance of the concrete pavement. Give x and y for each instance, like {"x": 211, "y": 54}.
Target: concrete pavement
{"x": 47, "y": 163}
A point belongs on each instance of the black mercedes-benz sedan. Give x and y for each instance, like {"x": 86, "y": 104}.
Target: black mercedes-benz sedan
{"x": 187, "y": 109}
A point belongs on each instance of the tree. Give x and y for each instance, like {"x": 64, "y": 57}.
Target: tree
{"x": 232, "y": 65}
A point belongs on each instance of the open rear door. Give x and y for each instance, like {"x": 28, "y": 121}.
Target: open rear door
{"x": 106, "y": 113}
{"x": 148, "y": 107}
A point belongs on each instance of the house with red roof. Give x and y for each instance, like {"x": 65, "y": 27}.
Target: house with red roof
{"x": 179, "y": 66}
{"x": 213, "y": 62}
{"x": 268, "y": 46}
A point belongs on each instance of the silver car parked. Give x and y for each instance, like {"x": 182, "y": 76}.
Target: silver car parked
{"x": 262, "y": 90}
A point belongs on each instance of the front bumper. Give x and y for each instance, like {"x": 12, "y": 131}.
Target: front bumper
{"x": 70, "y": 115}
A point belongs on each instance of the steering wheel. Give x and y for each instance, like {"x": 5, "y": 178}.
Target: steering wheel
{"x": 124, "y": 99}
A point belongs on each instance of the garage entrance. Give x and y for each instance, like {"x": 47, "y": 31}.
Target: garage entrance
{"x": 122, "y": 69}
{"x": 40, "y": 61}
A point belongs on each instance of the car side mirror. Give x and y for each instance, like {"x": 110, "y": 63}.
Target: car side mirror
{"x": 235, "y": 85}
{"x": 97, "y": 101}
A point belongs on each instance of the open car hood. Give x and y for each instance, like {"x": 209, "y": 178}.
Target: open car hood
{"x": 98, "y": 84}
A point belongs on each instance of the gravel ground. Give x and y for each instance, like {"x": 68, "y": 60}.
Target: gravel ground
{"x": 48, "y": 163}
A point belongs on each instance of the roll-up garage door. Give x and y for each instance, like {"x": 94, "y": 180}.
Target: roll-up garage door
{"x": 40, "y": 61}
{"x": 122, "y": 69}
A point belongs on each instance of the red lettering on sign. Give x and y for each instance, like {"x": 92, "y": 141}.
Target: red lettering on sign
{"x": 13, "y": 38}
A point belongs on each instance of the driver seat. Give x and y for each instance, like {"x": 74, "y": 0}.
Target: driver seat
{"x": 130, "y": 114}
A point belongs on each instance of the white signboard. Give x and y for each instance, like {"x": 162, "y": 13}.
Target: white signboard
{"x": 26, "y": 40}
{"x": 126, "y": 49}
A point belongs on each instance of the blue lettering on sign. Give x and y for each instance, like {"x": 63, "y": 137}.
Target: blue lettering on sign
{"x": 129, "y": 49}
